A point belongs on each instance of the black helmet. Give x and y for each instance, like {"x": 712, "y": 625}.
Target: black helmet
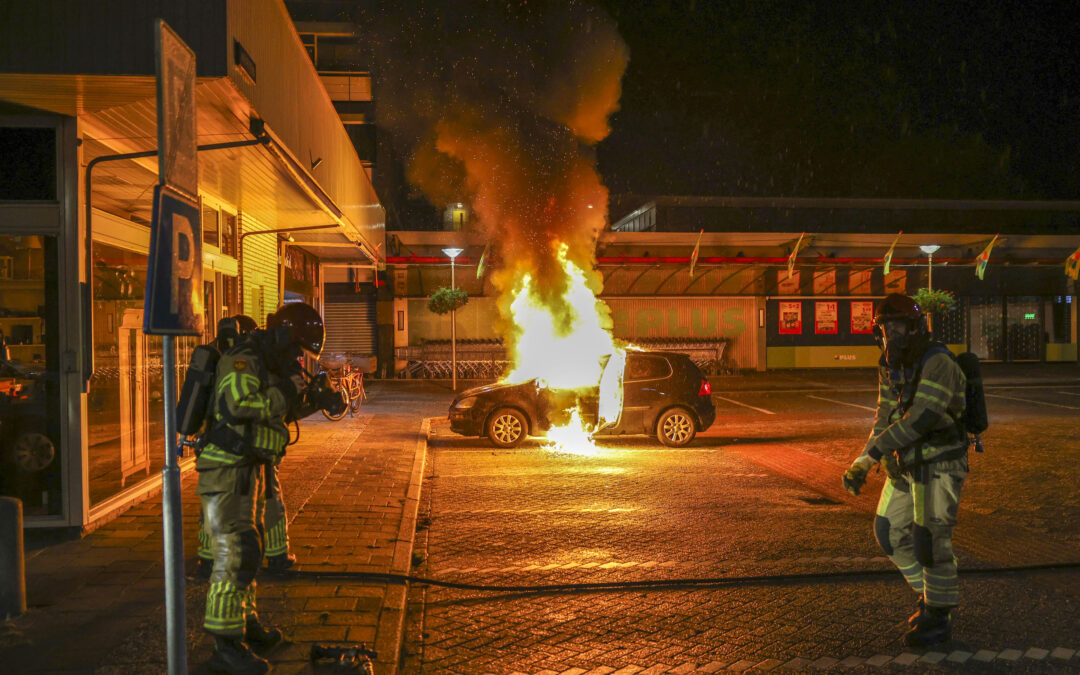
{"x": 898, "y": 306}
{"x": 245, "y": 324}
{"x": 304, "y": 324}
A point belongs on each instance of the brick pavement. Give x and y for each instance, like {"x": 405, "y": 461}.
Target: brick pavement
{"x": 351, "y": 487}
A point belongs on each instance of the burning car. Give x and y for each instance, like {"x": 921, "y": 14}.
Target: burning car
{"x": 663, "y": 394}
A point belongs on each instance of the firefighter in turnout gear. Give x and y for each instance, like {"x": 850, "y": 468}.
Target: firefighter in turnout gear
{"x": 274, "y": 526}
{"x": 259, "y": 383}
{"x": 919, "y": 438}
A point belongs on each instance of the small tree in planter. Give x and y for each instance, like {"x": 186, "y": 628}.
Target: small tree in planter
{"x": 934, "y": 303}
{"x": 445, "y": 300}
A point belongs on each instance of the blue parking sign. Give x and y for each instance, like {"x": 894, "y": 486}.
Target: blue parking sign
{"x": 174, "y": 289}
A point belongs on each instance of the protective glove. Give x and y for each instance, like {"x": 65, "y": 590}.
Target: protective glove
{"x": 855, "y": 477}
{"x": 888, "y": 460}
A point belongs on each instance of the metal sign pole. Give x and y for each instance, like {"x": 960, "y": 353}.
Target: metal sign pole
{"x": 173, "y": 302}
{"x": 176, "y": 623}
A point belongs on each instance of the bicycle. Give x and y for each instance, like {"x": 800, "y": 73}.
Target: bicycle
{"x": 351, "y": 385}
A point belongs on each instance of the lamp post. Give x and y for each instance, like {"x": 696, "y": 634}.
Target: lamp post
{"x": 453, "y": 253}
{"x": 929, "y": 249}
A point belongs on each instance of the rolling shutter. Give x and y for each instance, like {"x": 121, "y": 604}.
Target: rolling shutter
{"x": 350, "y": 326}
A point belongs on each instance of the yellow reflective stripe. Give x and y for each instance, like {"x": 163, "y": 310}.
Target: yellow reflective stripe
{"x": 930, "y": 397}
{"x": 886, "y": 495}
{"x": 940, "y": 387}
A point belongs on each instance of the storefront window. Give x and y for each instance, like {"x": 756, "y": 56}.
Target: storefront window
{"x": 125, "y": 406}
{"x": 30, "y": 461}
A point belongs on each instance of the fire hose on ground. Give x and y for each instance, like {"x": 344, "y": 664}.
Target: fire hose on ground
{"x": 664, "y": 584}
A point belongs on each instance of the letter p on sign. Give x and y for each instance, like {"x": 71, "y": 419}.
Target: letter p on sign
{"x": 174, "y": 287}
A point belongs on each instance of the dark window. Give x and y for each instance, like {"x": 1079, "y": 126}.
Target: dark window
{"x": 951, "y": 327}
{"x": 27, "y": 163}
{"x": 210, "y": 225}
{"x": 1062, "y": 317}
{"x": 644, "y": 367}
{"x": 228, "y": 234}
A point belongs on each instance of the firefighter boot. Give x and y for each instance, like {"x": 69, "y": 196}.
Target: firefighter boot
{"x": 234, "y": 657}
{"x": 203, "y": 568}
{"x": 258, "y": 636}
{"x": 280, "y": 563}
{"x": 920, "y": 612}
{"x": 934, "y": 628}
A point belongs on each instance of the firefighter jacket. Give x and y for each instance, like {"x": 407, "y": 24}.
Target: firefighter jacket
{"x": 249, "y": 405}
{"x": 918, "y": 414}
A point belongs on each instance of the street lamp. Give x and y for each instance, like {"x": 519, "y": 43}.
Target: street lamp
{"x": 929, "y": 249}
{"x": 453, "y": 253}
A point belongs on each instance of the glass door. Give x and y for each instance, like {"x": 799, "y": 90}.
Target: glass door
{"x": 986, "y": 329}
{"x": 1025, "y": 335}
{"x": 30, "y": 458}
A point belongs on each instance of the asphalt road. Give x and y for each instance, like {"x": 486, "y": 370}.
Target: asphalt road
{"x": 757, "y": 495}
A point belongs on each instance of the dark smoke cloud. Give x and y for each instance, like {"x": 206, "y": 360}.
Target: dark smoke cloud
{"x": 501, "y": 105}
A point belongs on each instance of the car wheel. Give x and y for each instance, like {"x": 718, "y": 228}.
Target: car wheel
{"x": 507, "y": 427}
{"x": 33, "y": 451}
{"x": 676, "y": 428}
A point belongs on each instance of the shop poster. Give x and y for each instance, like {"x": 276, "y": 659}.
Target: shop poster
{"x": 862, "y": 317}
{"x": 825, "y": 317}
{"x": 790, "y": 317}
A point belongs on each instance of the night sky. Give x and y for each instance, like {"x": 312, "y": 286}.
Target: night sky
{"x": 913, "y": 99}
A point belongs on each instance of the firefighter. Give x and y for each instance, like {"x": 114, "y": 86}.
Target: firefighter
{"x": 259, "y": 381}
{"x": 919, "y": 438}
{"x": 274, "y": 525}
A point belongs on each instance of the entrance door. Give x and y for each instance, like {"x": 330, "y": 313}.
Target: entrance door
{"x": 1024, "y": 333}
{"x": 134, "y": 397}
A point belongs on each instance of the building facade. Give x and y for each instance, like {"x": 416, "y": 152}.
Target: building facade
{"x": 283, "y": 194}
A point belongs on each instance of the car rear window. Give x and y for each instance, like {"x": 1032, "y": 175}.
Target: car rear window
{"x": 646, "y": 367}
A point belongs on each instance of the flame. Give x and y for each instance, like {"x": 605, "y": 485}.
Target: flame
{"x": 571, "y": 352}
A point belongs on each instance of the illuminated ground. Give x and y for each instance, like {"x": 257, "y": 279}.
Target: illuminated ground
{"x": 759, "y": 494}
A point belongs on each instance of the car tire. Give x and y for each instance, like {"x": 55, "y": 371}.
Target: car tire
{"x": 676, "y": 428}
{"x": 507, "y": 427}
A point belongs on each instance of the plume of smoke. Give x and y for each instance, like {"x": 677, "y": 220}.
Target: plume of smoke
{"x": 502, "y": 105}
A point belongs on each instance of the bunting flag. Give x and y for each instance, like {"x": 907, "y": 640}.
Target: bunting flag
{"x": 983, "y": 258}
{"x": 888, "y": 256}
{"x": 1072, "y": 265}
{"x": 794, "y": 254}
{"x": 694, "y": 255}
{"x": 483, "y": 261}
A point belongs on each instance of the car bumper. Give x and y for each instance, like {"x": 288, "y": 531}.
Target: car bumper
{"x": 706, "y": 413}
{"x": 464, "y": 423}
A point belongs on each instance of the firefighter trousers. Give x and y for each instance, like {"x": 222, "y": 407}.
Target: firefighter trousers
{"x": 230, "y": 496}
{"x": 916, "y": 515}
{"x": 274, "y": 525}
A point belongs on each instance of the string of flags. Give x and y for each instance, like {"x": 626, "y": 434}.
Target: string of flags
{"x": 791, "y": 258}
{"x": 694, "y": 255}
{"x": 1072, "y": 265}
{"x": 983, "y": 258}
{"x": 483, "y": 261}
{"x": 888, "y": 256}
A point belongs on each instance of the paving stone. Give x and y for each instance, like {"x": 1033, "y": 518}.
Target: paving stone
{"x": 878, "y": 660}
{"x": 655, "y": 669}
{"x": 1010, "y": 655}
{"x": 959, "y": 656}
{"x": 823, "y": 662}
{"x": 906, "y": 659}
{"x": 767, "y": 665}
{"x": 1062, "y": 653}
{"x": 851, "y": 662}
{"x": 984, "y": 656}
{"x": 797, "y": 663}
{"x": 688, "y": 667}
{"x": 741, "y": 665}
{"x": 932, "y": 657}
{"x": 1036, "y": 653}
{"x": 712, "y": 667}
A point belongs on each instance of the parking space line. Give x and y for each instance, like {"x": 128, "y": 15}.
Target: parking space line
{"x": 1070, "y": 393}
{"x": 745, "y": 405}
{"x": 1031, "y": 400}
{"x": 833, "y": 400}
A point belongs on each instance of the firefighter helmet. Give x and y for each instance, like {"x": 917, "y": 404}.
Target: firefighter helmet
{"x": 902, "y": 345}
{"x": 304, "y": 324}
{"x": 245, "y": 324}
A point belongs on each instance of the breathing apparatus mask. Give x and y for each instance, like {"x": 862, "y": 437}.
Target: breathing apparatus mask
{"x": 900, "y": 330}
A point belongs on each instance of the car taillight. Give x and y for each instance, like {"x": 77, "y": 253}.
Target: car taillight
{"x": 706, "y": 388}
